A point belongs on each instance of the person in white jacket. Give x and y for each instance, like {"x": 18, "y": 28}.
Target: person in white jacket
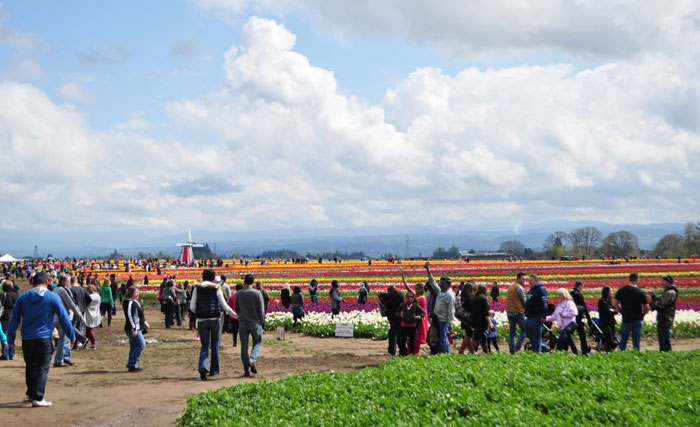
{"x": 92, "y": 316}
{"x": 565, "y": 316}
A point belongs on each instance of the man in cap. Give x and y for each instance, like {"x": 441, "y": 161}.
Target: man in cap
{"x": 444, "y": 308}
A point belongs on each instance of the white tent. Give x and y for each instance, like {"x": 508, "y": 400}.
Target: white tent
{"x": 8, "y": 258}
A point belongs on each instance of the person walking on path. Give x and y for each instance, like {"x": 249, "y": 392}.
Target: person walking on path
{"x": 565, "y": 315}
{"x": 8, "y": 298}
{"x": 633, "y": 304}
{"x": 106, "y": 302}
{"x": 606, "y": 313}
{"x": 92, "y": 316}
{"x": 207, "y": 303}
{"x": 134, "y": 327}
{"x": 249, "y": 305}
{"x": 535, "y": 311}
{"x": 515, "y": 310}
{"x": 444, "y": 307}
{"x": 480, "y": 320}
{"x": 234, "y": 320}
{"x": 36, "y": 309}
{"x": 335, "y": 298}
{"x": 63, "y": 348}
{"x": 580, "y": 301}
{"x": 665, "y": 307}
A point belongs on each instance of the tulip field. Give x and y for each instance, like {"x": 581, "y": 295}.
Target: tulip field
{"x": 595, "y": 274}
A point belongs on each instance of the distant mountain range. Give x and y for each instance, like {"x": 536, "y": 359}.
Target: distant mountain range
{"x": 374, "y": 242}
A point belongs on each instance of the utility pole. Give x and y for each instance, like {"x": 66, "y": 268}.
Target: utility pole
{"x": 408, "y": 246}
{"x": 36, "y": 252}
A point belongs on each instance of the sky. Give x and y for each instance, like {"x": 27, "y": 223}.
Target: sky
{"x": 244, "y": 115}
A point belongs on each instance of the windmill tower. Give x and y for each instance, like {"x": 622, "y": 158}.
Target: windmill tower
{"x": 187, "y": 255}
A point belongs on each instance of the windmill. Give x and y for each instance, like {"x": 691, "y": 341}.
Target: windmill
{"x": 187, "y": 255}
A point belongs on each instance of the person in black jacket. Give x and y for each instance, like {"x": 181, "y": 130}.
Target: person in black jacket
{"x": 392, "y": 299}
{"x": 495, "y": 292}
{"x": 580, "y": 302}
{"x": 115, "y": 290}
{"x": 8, "y": 299}
{"x": 480, "y": 319}
{"x": 134, "y": 327}
{"x": 286, "y": 296}
{"x": 606, "y": 311}
{"x": 410, "y": 314}
{"x": 466, "y": 301}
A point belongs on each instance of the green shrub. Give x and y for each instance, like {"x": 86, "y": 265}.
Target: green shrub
{"x": 627, "y": 388}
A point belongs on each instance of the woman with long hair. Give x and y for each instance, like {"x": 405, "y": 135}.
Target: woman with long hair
{"x": 606, "y": 313}
{"x": 92, "y": 316}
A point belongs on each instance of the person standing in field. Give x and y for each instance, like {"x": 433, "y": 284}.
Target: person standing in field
{"x": 63, "y": 348}
{"x": 495, "y": 292}
{"x": 234, "y": 320}
{"x": 92, "y": 316}
{"x": 515, "y": 310}
{"x": 535, "y": 310}
{"x": 633, "y": 304}
{"x": 444, "y": 307}
{"x": 313, "y": 289}
{"x": 335, "y": 298}
{"x": 565, "y": 315}
{"x": 606, "y": 313}
{"x": 392, "y": 299}
{"x": 421, "y": 301}
{"x": 297, "y": 302}
{"x": 480, "y": 320}
{"x": 36, "y": 309}
{"x": 249, "y": 306}
{"x": 207, "y": 304}
{"x": 410, "y": 314}
{"x": 580, "y": 301}
{"x": 665, "y": 312}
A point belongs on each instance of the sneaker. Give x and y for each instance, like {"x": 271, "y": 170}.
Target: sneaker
{"x": 253, "y": 368}
{"x": 41, "y": 403}
{"x": 203, "y": 374}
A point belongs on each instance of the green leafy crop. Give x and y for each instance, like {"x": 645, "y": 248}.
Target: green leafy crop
{"x": 627, "y": 388}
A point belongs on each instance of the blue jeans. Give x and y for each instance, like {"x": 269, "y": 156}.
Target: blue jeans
{"x": 37, "y": 357}
{"x": 443, "y": 341}
{"x": 136, "y": 345}
{"x": 63, "y": 353}
{"x": 256, "y": 331}
{"x": 209, "y": 337}
{"x": 636, "y": 329}
{"x": 314, "y": 299}
{"x": 10, "y": 354}
{"x": 664, "y": 331}
{"x": 533, "y": 329}
{"x": 516, "y": 320}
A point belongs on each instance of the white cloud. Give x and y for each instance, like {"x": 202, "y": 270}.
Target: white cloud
{"x": 73, "y": 91}
{"x": 609, "y": 28}
{"x": 616, "y": 143}
{"x": 24, "y": 70}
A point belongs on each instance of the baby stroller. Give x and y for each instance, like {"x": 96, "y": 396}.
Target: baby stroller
{"x": 599, "y": 337}
{"x": 549, "y": 339}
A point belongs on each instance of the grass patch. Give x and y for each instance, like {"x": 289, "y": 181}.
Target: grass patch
{"x": 627, "y": 388}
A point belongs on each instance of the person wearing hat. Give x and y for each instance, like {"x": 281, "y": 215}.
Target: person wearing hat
{"x": 665, "y": 307}
{"x": 444, "y": 308}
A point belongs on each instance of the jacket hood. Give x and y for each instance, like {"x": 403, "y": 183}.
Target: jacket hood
{"x": 208, "y": 284}
{"x": 36, "y": 295}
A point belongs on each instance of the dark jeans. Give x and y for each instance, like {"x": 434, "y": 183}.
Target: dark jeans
{"x": 664, "y": 331}
{"x": 169, "y": 313}
{"x": 37, "y": 356}
{"x": 533, "y": 329}
{"x": 193, "y": 320}
{"x": 394, "y": 334}
{"x": 335, "y": 311}
{"x": 634, "y": 328}
{"x": 516, "y": 320}
{"x": 407, "y": 332}
{"x": 581, "y": 329}
{"x": 10, "y": 354}
{"x": 235, "y": 326}
{"x": 209, "y": 337}
{"x": 106, "y": 309}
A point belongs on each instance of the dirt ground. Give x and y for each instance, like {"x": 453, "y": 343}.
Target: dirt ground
{"x": 98, "y": 391}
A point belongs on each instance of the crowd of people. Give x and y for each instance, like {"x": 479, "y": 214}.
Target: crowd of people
{"x": 64, "y": 308}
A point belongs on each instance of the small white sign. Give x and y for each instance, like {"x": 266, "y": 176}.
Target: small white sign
{"x": 344, "y": 330}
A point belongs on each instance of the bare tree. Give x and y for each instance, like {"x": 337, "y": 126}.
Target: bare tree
{"x": 514, "y": 247}
{"x": 621, "y": 244}
{"x": 584, "y": 240}
{"x": 558, "y": 238}
{"x": 692, "y": 237}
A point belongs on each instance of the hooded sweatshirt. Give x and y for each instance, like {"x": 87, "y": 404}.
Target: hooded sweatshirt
{"x": 36, "y": 308}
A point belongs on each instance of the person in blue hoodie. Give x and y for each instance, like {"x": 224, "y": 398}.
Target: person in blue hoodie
{"x": 36, "y": 309}
{"x": 535, "y": 311}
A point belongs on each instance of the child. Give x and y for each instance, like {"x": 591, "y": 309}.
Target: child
{"x": 492, "y": 333}
{"x": 410, "y": 313}
{"x": 433, "y": 338}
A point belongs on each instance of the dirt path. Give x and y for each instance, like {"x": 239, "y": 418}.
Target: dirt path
{"x": 98, "y": 391}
